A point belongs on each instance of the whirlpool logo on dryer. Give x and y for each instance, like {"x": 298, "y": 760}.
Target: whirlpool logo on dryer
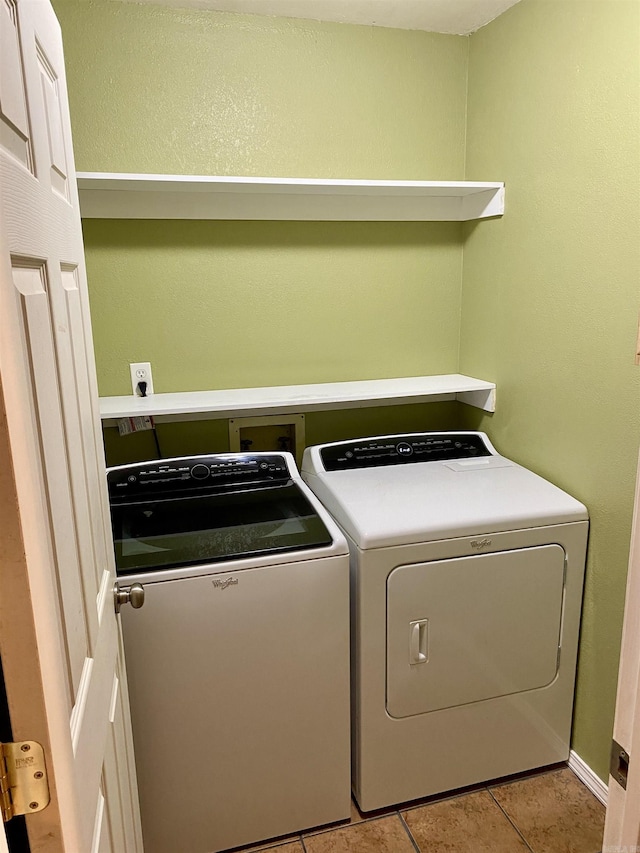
{"x": 480, "y": 543}
{"x": 220, "y": 583}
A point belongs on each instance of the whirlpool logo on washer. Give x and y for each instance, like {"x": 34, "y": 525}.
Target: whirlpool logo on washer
{"x": 219, "y": 583}
{"x": 480, "y": 543}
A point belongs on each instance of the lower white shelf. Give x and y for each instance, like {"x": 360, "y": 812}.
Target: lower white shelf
{"x": 285, "y": 399}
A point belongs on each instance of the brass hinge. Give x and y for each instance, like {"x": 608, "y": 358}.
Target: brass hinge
{"x": 23, "y": 779}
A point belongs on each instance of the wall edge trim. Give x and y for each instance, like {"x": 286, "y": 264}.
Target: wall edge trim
{"x": 588, "y": 777}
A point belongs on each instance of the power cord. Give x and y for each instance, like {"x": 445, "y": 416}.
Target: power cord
{"x": 142, "y": 388}
{"x": 155, "y": 437}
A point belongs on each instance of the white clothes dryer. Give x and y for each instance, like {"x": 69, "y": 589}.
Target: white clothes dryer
{"x": 466, "y": 588}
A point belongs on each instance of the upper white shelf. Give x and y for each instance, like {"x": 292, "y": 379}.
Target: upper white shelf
{"x": 285, "y": 399}
{"x": 105, "y": 195}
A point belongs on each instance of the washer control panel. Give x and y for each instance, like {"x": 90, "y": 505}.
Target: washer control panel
{"x": 402, "y": 449}
{"x": 197, "y": 473}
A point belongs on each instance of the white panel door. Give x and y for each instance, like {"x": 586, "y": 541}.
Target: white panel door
{"x": 622, "y": 825}
{"x": 59, "y": 634}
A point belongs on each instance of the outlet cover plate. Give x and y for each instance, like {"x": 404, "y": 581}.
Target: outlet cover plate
{"x": 141, "y": 372}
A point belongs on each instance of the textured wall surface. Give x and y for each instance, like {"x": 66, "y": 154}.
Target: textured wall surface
{"x": 550, "y": 290}
{"x": 241, "y": 304}
{"x": 156, "y": 89}
{"x": 193, "y": 437}
{"x": 228, "y": 304}
{"x": 550, "y": 304}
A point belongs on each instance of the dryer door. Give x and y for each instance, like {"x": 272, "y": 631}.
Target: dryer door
{"x": 473, "y": 628}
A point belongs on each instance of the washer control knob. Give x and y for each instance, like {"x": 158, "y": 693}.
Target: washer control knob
{"x": 200, "y": 472}
{"x": 404, "y": 449}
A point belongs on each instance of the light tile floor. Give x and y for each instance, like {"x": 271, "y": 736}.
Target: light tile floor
{"x": 546, "y": 812}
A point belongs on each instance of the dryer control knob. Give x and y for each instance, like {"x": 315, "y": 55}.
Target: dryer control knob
{"x": 200, "y": 472}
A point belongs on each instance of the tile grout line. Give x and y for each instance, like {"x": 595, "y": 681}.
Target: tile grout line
{"x": 408, "y": 831}
{"x": 270, "y": 845}
{"x": 528, "y": 846}
{"x": 395, "y": 813}
{"x": 338, "y": 826}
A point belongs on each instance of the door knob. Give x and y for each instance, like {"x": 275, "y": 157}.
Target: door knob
{"x": 133, "y": 595}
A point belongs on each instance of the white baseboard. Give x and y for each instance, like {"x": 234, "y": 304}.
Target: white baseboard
{"x": 586, "y": 775}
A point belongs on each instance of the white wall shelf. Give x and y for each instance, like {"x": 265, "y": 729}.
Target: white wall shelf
{"x": 105, "y": 195}
{"x": 286, "y": 399}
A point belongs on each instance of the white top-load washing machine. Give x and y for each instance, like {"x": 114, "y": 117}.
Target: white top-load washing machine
{"x": 238, "y": 662}
{"x": 466, "y": 587}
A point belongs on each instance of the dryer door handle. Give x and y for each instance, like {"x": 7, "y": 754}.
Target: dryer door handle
{"x": 418, "y": 641}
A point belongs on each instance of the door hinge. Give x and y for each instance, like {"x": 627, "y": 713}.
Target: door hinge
{"x": 619, "y": 767}
{"x": 24, "y": 788}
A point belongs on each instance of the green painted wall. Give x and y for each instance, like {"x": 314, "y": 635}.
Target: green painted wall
{"x": 550, "y": 291}
{"x": 191, "y": 438}
{"x": 240, "y": 304}
{"x": 156, "y": 89}
{"x": 550, "y": 305}
{"x": 228, "y": 304}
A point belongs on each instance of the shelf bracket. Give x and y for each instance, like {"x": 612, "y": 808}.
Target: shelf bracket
{"x": 482, "y": 399}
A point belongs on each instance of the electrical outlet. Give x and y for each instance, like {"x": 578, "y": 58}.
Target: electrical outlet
{"x": 141, "y": 372}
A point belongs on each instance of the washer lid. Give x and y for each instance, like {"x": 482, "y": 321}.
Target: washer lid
{"x": 406, "y": 504}
{"x": 190, "y": 511}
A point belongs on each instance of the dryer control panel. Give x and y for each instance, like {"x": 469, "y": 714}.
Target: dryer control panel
{"x": 402, "y": 450}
